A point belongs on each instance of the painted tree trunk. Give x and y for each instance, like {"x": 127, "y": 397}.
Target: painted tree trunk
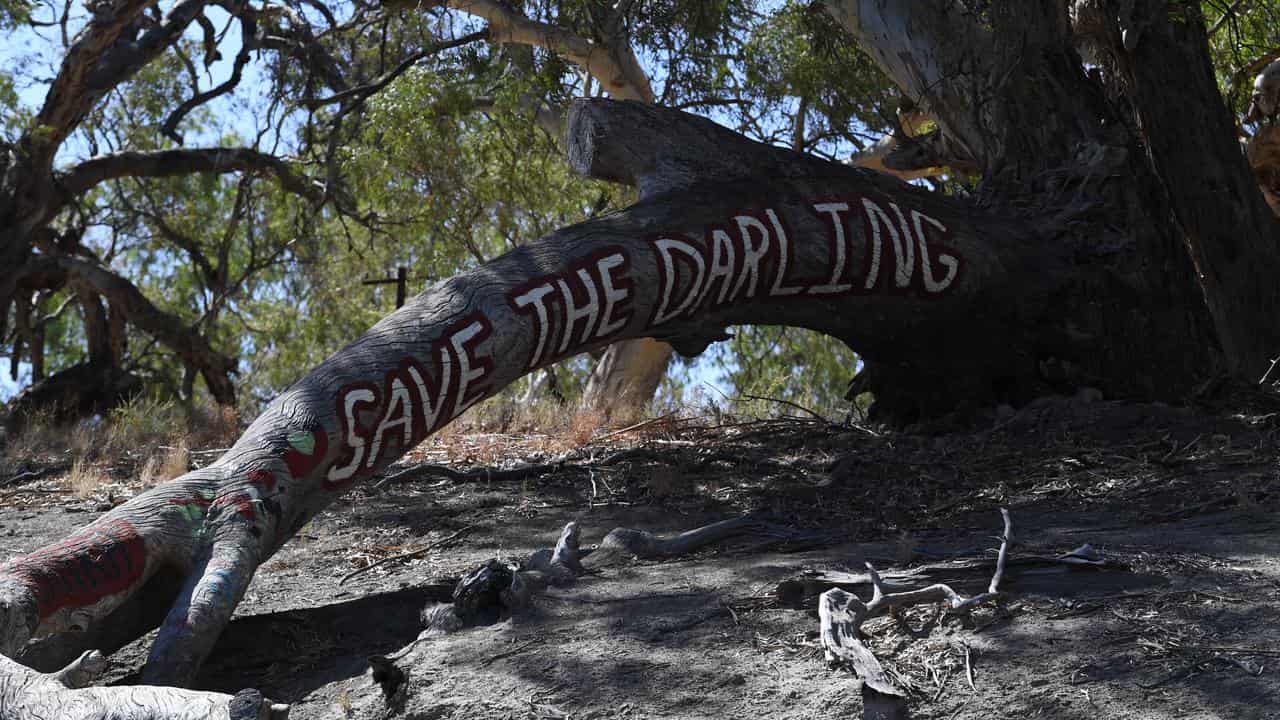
{"x": 949, "y": 305}
{"x": 729, "y": 232}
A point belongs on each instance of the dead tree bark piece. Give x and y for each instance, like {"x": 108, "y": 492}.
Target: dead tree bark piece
{"x": 624, "y": 543}
{"x": 27, "y": 695}
{"x": 841, "y": 616}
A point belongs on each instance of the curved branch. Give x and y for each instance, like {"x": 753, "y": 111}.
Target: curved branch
{"x": 294, "y": 39}
{"x": 102, "y": 58}
{"x": 65, "y": 103}
{"x": 362, "y": 92}
{"x": 247, "y": 33}
{"x": 170, "y": 163}
{"x": 614, "y": 65}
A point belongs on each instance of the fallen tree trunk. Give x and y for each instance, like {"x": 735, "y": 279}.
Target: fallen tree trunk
{"x": 951, "y": 303}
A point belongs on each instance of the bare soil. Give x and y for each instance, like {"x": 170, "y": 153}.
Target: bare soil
{"x": 1183, "y": 501}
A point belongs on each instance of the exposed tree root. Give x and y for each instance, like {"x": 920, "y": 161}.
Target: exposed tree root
{"x": 497, "y": 589}
{"x": 25, "y": 693}
{"x": 841, "y": 615}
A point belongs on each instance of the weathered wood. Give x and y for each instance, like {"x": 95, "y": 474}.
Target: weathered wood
{"x": 25, "y": 693}
{"x": 1057, "y": 576}
{"x": 841, "y": 615}
{"x": 495, "y": 589}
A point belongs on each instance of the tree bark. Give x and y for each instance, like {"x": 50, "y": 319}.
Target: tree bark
{"x": 627, "y": 375}
{"x": 25, "y": 693}
{"x": 1231, "y": 233}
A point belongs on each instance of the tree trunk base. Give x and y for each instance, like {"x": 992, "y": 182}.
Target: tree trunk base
{"x": 627, "y": 376}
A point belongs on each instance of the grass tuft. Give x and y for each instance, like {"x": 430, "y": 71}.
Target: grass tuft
{"x": 147, "y": 439}
{"x": 85, "y": 477}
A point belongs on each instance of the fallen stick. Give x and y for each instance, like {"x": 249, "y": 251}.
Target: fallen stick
{"x": 841, "y": 616}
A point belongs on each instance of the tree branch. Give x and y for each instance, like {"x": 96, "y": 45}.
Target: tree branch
{"x": 170, "y": 330}
{"x": 613, "y": 65}
{"x": 102, "y": 57}
{"x": 248, "y": 31}
{"x": 170, "y": 163}
{"x": 842, "y": 614}
{"x": 25, "y": 693}
{"x": 295, "y": 40}
{"x": 933, "y": 53}
{"x": 362, "y": 92}
{"x": 65, "y": 103}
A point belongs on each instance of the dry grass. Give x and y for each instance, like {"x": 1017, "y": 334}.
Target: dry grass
{"x": 86, "y": 477}
{"x": 150, "y": 440}
{"x": 173, "y": 461}
{"x": 213, "y": 426}
{"x": 546, "y": 425}
{"x": 583, "y": 426}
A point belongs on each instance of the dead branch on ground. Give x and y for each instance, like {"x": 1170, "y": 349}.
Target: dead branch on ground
{"x": 841, "y": 616}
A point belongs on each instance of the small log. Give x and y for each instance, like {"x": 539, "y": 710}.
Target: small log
{"x": 29, "y": 695}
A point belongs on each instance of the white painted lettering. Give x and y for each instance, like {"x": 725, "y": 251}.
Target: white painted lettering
{"x": 951, "y": 263}
{"x": 467, "y": 373}
{"x": 534, "y": 297}
{"x": 665, "y": 247}
{"x": 784, "y": 250}
{"x": 589, "y": 311}
{"x": 722, "y": 262}
{"x": 612, "y": 295}
{"x": 905, "y": 253}
{"x": 840, "y": 251}
{"x": 751, "y": 253}
{"x": 399, "y": 414}
{"x": 433, "y": 405}
{"x": 354, "y": 439}
{"x": 875, "y": 217}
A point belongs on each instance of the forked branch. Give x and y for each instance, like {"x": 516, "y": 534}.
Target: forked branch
{"x": 841, "y": 615}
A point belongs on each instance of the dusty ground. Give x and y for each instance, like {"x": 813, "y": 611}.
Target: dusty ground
{"x": 1186, "y": 501}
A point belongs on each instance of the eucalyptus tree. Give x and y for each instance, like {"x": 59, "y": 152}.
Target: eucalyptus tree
{"x": 126, "y": 110}
{"x": 1104, "y": 229}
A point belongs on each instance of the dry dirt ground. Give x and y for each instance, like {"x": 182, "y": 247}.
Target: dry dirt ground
{"x": 1185, "y": 624}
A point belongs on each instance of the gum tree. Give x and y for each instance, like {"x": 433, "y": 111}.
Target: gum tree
{"x": 1115, "y": 238}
